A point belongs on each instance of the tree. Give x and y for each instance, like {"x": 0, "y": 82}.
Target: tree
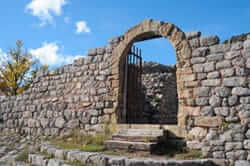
{"x": 17, "y": 71}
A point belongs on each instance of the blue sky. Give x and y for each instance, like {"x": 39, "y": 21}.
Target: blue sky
{"x": 56, "y": 31}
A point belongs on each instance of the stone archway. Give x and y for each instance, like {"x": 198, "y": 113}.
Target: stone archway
{"x": 150, "y": 29}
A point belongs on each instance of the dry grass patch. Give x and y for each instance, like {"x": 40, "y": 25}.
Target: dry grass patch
{"x": 83, "y": 141}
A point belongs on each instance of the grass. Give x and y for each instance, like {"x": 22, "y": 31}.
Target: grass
{"x": 93, "y": 148}
{"x": 89, "y": 143}
{"x": 185, "y": 154}
{"x": 85, "y": 142}
{"x": 2, "y": 163}
{"x": 189, "y": 155}
{"x": 47, "y": 155}
{"x": 3, "y": 134}
{"x": 225, "y": 126}
{"x": 23, "y": 156}
{"x": 113, "y": 153}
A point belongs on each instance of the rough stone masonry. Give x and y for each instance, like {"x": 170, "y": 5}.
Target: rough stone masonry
{"x": 213, "y": 88}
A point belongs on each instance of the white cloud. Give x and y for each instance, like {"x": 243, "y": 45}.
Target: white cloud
{"x": 67, "y": 20}
{"x": 46, "y": 9}
{"x": 49, "y": 54}
{"x": 82, "y": 27}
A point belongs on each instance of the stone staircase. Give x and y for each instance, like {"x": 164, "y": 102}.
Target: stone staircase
{"x": 51, "y": 156}
{"x": 137, "y": 139}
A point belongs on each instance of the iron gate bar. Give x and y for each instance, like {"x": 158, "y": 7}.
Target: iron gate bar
{"x": 124, "y": 112}
{"x": 132, "y": 87}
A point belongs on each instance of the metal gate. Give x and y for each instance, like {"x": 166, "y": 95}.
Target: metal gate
{"x": 133, "y": 86}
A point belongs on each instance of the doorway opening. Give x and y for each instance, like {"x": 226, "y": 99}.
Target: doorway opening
{"x": 149, "y": 84}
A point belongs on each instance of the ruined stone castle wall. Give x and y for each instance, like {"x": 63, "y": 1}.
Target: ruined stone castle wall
{"x": 160, "y": 99}
{"x": 76, "y": 96}
{"x": 213, "y": 86}
{"x": 219, "y": 124}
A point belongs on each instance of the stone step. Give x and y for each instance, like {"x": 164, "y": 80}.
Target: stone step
{"x": 99, "y": 159}
{"x": 138, "y": 138}
{"x": 142, "y": 132}
{"x": 127, "y": 145}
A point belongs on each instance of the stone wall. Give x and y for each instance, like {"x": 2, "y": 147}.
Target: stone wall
{"x": 213, "y": 88}
{"x": 219, "y": 124}
{"x": 76, "y": 96}
{"x": 160, "y": 98}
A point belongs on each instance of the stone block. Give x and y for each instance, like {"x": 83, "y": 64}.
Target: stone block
{"x": 207, "y": 111}
{"x": 60, "y": 122}
{"x": 191, "y": 35}
{"x": 208, "y": 121}
{"x": 202, "y": 91}
{"x": 239, "y": 91}
{"x": 248, "y": 134}
{"x": 194, "y": 145}
{"x": 227, "y": 72}
{"x": 238, "y": 136}
{"x": 93, "y": 120}
{"x": 198, "y": 60}
{"x": 209, "y": 67}
{"x": 102, "y": 91}
{"x": 220, "y": 48}
{"x": 242, "y": 163}
{"x": 201, "y": 76}
{"x": 213, "y": 75}
{"x": 101, "y": 51}
{"x": 245, "y": 100}
{"x": 35, "y": 159}
{"x": 44, "y": 122}
{"x": 194, "y": 43}
{"x": 241, "y": 71}
{"x": 237, "y": 155}
{"x": 232, "y": 100}
{"x": 247, "y": 144}
{"x": 56, "y": 162}
{"x": 234, "y": 82}
{"x": 72, "y": 124}
{"x": 200, "y": 52}
{"x": 191, "y": 84}
{"x": 189, "y": 77}
{"x": 119, "y": 161}
{"x": 215, "y": 101}
{"x": 223, "y": 64}
{"x": 247, "y": 44}
{"x": 209, "y": 40}
{"x": 202, "y": 101}
{"x": 211, "y": 82}
{"x": 227, "y": 136}
{"x": 232, "y": 54}
{"x": 32, "y": 123}
{"x": 198, "y": 68}
{"x": 197, "y": 133}
{"x": 219, "y": 154}
{"x": 239, "y": 61}
{"x": 237, "y": 46}
{"x": 230, "y": 146}
{"x": 215, "y": 57}
{"x": 221, "y": 111}
{"x": 223, "y": 91}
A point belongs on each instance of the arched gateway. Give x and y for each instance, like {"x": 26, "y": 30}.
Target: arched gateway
{"x": 150, "y": 29}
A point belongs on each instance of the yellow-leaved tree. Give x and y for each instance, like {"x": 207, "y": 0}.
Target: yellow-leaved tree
{"x": 18, "y": 69}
